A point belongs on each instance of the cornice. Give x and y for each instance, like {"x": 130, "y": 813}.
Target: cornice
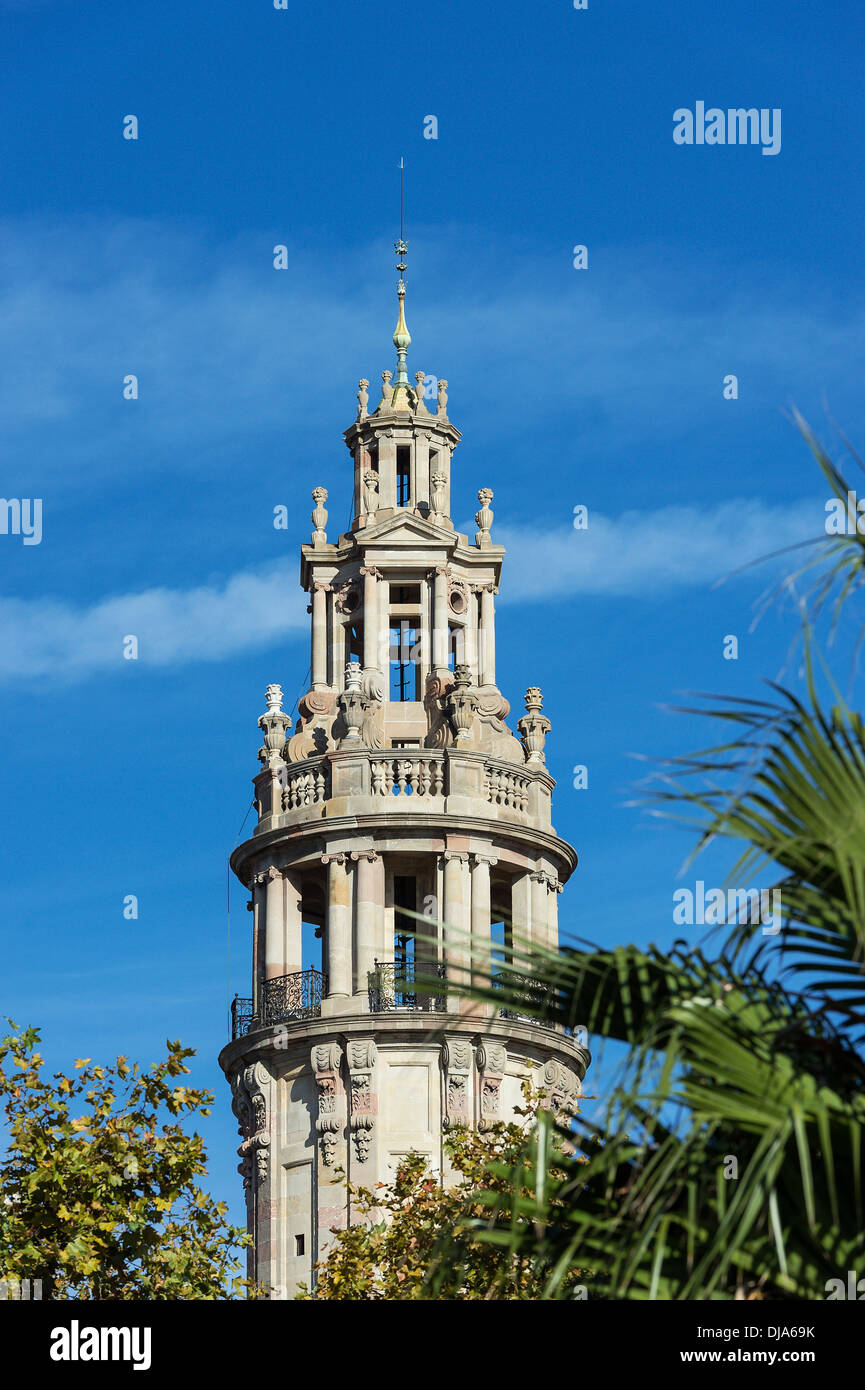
{"x": 426, "y": 825}
{"x": 284, "y": 1044}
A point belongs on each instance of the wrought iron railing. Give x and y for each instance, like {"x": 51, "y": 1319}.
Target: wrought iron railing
{"x": 392, "y": 985}
{"x": 281, "y": 1000}
{"x": 241, "y": 1016}
{"x": 522, "y": 989}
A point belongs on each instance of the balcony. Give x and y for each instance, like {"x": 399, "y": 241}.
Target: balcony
{"x": 282, "y": 1000}
{"x": 533, "y": 992}
{"x": 355, "y": 780}
{"x": 392, "y": 987}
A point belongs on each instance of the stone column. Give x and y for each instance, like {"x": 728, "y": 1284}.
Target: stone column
{"x": 370, "y": 618}
{"x": 487, "y": 655}
{"x": 387, "y": 469}
{"x": 283, "y": 945}
{"x": 361, "y": 464}
{"x": 426, "y": 622}
{"x": 457, "y": 944}
{"x": 440, "y": 620}
{"x": 481, "y": 925}
{"x": 421, "y": 455}
{"x": 540, "y": 908}
{"x": 319, "y": 635}
{"x": 338, "y": 926}
{"x": 521, "y": 910}
{"x": 553, "y": 915}
{"x": 444, "y": 464}
{"x": 259, "y": 896}
{"x": 472, "y": 658}
{"x": 368, "y": 912}
{"x": 274, "y": 924}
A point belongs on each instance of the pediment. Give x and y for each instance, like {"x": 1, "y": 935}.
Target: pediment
{"x": 407, "y": 529}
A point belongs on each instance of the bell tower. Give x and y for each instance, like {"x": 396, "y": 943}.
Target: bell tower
{"x": 404, "y": 832}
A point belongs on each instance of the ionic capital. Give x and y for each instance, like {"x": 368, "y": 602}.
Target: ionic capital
{"x": 339, "y": 858}
{"x": 372, "y": 855}
{"x": 543, "y": 876}
{"x": 267, "y": 875}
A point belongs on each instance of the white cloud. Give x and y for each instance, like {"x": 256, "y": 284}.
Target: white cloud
{"x": 636, "y": 555}
{"x": 645, "y": 554}
{"x": 51, "y": 637}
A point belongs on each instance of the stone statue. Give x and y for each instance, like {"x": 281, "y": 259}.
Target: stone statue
{"x": 362, "y": 397}
{"x": 442, "y": 398}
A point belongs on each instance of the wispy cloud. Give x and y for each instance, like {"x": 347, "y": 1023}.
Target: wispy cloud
{"x": 638, "y": 555}
{"x": 40, "y": 637}
{"x": 648, "y": 554}
{"x": 227, "y": 349}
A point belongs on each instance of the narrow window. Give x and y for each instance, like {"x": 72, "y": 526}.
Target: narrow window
{"x": 403, "y": 475}
{"x": 404, "y": 661}
{"x": 404, "y": 925}
{"x": 298, "y": 1245}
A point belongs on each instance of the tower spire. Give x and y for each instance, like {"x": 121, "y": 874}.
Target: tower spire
{"x": 401, "y": 337}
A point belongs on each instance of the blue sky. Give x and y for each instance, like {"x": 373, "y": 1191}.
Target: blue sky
{"x": 600, "y": 387}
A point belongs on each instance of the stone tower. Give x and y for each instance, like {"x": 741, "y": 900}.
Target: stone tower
{"x": 403, "y": 831}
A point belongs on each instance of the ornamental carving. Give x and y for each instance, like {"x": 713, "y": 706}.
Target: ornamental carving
{"x": 274, "y": 724}
{"x": 458, "y": 597}
{"x": 346, "y": 596}
{"x": 353, "y": 705}
{"x": 319, "y": 516}
{"x": 419, "y": 402}
{"x": 562, "y": 1087}
{"x": 484, "y": 518}
{"x": 361, "y": 1059}
{"x": 456, "y": 1069}
{"x": 492, "y": 1061}
{"x": 386, "y": 390}
{"x": 461, "y": 705}
{"x": 249, "y": 1104}
{"x": 439, "y": 493}
{"x": 326, "y": 1061}
{"x": 314, "y": 733}
{"x": 534, "y": 726}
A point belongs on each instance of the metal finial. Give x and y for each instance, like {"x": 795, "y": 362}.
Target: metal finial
{"x": 401, "y": 337}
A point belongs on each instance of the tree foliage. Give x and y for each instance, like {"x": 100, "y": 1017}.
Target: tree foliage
{"x": 98, "y": 1186}
{"x": 729, "y": 1159}
{"x": 417, "y": 1238}
{"x": 729, "y": 1162}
